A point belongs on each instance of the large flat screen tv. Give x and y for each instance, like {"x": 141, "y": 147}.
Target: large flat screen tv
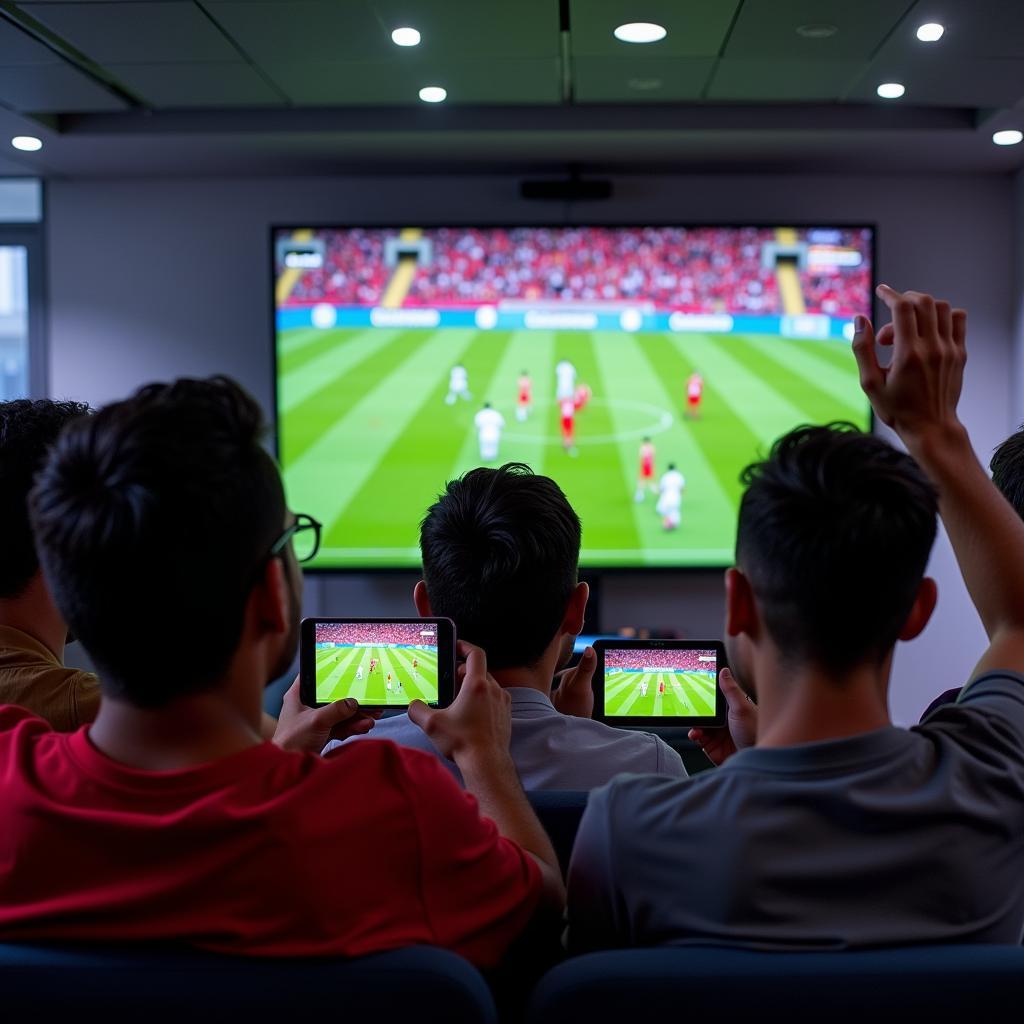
{"x": 642, "y": 367}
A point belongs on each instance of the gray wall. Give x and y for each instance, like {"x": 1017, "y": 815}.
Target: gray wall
{"x": 155, "y": 279}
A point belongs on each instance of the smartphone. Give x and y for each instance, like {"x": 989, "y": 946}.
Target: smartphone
{"x": 659, "y": 683}
{"x": 383, "y": 663}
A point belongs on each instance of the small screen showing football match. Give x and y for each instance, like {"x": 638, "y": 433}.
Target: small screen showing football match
{"x": 659, "y": 683}
{"x": 377, "y": 663}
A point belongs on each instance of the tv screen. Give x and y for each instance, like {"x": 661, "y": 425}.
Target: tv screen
{"x": 641, "y": 367}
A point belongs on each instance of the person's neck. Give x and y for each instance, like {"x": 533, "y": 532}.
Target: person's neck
{"x": 190, "y": 731}
{"x": 533, "y": 677}
{"x": 806, "y": 704}
{"x": 33, "y": 612}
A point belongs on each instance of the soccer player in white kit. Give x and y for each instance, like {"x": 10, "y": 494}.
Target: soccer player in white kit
{"x": 458, "y": 385}
{"x": 565, "y": 377}
{"x": 670, "y": 500}
{"x": 359, "y": 673}
{"x": 489, "y": 425}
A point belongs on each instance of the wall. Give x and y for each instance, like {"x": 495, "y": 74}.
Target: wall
{"x": 155, "y": 279}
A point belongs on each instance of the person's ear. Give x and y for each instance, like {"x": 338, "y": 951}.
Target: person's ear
{"x": 576, "y": 610}
{"x": 272, "y": 600}
{"x": 921, "y": 612}
{"x": 422, "y": 600}
{"x": 740, "y": 605}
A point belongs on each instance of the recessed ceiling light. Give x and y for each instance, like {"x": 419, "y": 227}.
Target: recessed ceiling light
{"x": 405, "y": 37}
{"x": 28, "y": 143}
{"x": 1008, "y": 137}
{"x": 891, "y": 90}
{"x": 640, "y": 32}
{"x": 433, "y": 94}
{"x": 930, "y": 33}
{"x": 816, "y": 30}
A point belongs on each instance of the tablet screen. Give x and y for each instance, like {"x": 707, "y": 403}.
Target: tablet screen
{"x": 659, "y": 683}
{"x": 378, "y": 663}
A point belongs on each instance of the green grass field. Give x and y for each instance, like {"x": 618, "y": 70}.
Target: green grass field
{"x": 367, "y": 441}
{"x": 686, "y": 694}
{"x": 336, "y": 669}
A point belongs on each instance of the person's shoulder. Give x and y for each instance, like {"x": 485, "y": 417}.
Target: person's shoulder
{"x": 632, "y": 798}
{"x": 12, "y": 716}
{"x": 988, "y": 707}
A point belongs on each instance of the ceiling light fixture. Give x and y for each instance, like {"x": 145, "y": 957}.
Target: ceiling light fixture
{"x": 433, "y": 94}
{"x": 1008, "y": 137}
{"x": 930, "y": 33}
{"x": 891, "y": 90}
{"x": 27, "y": 143}
{"x": 640, "y": 32}
{"x": 405, "y": 37}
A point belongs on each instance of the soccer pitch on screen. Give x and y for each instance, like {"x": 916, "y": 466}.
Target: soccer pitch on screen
{"x": 375, "y": 675}
{"x": 406, "y": 357}
{"x": 659, "y": 694}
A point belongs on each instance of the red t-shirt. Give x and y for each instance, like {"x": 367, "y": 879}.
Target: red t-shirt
{"x": 264, "y": 853}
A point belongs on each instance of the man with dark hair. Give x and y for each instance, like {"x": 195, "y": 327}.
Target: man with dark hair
{"x": 1007, "y": 467}
{"x": 163, "y": 531}
{"x": 500, "y": 558}
{"x": 32, "y": 632}
{"x": 837, "y": 829}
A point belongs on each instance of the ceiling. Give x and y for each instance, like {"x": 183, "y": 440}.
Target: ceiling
{"x": 144, "y": 87}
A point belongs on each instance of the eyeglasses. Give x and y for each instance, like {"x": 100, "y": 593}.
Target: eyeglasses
{"x": 304, "y": 534}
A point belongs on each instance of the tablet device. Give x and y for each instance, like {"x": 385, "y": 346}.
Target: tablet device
{"x": 659, "y": 683}
{"x": 382, "y": 663}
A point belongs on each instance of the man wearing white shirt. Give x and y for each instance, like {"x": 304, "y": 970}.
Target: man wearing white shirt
{"x": 565, "y": 378}
{"x": 489, "y": 425}
{"x": 458, "y": 385}
{"x": 670, "y": 497}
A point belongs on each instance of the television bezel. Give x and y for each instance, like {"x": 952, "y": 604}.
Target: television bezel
{"x": 587, "y": 570}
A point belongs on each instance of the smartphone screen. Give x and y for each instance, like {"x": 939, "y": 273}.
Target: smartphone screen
{"x": 671, "y": 683}
{"x": 380, "y": 664}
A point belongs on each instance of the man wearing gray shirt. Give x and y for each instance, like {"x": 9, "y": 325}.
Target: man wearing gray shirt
{"x": 500, "y": 557}
{"x": 837, "y": 829}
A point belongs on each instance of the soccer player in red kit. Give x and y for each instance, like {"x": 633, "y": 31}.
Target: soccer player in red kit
{"x": 373, "y": 665}
{"x": 645, "y": 481}
{"x": 567, "y": 408}
{"x": 525, "y": 389}
{"x": 661, "y": 686}
{"x": 694, "y": 394}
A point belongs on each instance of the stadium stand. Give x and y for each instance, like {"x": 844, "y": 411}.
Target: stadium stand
{"x": 377, "y": 633}
{"x": 690, "y": 270}
{"x": 671, "y": 661}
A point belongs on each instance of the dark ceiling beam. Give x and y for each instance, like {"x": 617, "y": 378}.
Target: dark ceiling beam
{"x": 537, "y": 119}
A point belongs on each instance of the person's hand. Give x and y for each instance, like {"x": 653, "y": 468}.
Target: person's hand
{"x": 575, "y": 693}
{"x": 917, "y": 393}
{"x": 479, "y": 720}
{"x": 721, "y": 744}
{"x": 309, "y": 729}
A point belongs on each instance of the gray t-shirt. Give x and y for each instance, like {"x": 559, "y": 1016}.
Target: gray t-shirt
{"x": 890, "y": 837}
{"x": 551, "y": 750}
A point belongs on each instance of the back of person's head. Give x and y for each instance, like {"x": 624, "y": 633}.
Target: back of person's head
{"x": 28, "y": 430}
{"x": 835, "y": 529}
{"x": 500, "y": 552}
{"x": 1007, "y": 467}
{"x": 155, "y": 518}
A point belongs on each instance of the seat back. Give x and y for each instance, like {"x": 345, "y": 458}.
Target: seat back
{"x": 559, "y": 812}
{"x": 926, "y": 983}
{"x": 155, "y": 984}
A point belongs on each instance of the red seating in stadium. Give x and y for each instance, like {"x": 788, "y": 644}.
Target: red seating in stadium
{"x": 669, "y": 660}
{"x": 690, "y": 270}
{"x": 374, "y": 633}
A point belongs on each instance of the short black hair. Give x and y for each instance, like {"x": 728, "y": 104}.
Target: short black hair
{"x": 1007, "y": 467}
{"x": 28, "y": 430}
{"x": 153, "y": 520}
{"x": 835, "y": 529}
{"x": 501, "y": 551}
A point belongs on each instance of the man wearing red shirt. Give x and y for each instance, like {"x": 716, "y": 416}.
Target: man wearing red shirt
{"x": 164, "y": 536}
